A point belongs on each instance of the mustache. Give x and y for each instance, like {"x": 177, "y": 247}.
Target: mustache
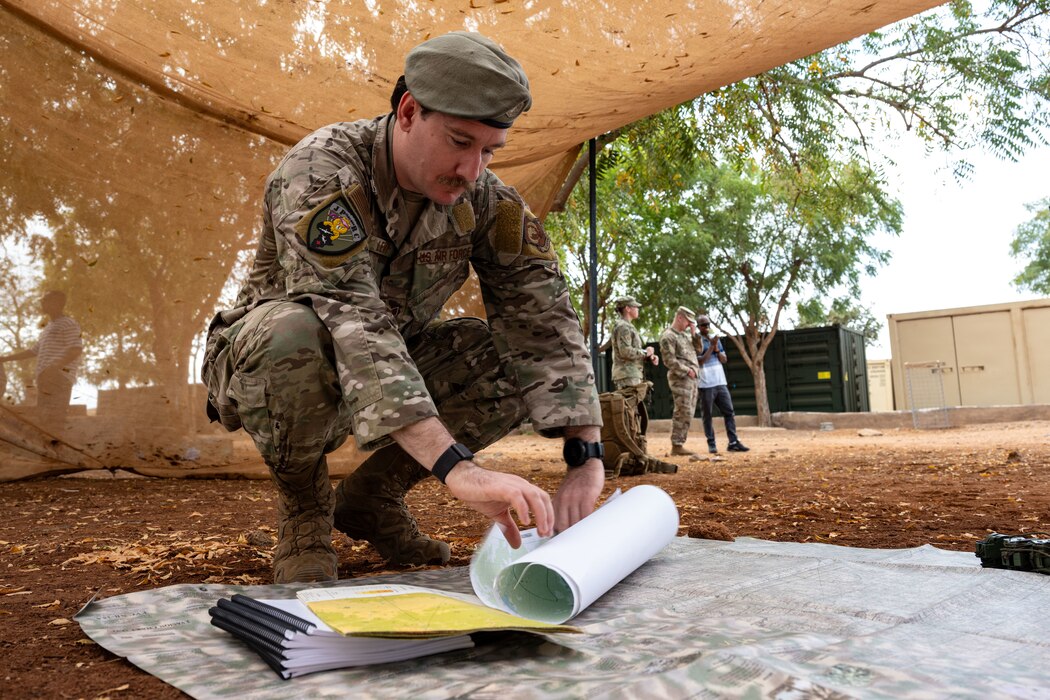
{"x": 459, "y": 182}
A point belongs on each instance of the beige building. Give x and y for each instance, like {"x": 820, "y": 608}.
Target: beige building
{"x": 994, "y": 355}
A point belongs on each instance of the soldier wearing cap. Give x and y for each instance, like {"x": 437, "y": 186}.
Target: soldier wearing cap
{"x": 628, "y": 354}
{"x": 679, "y": 355}
{"x": 368, "y": 228}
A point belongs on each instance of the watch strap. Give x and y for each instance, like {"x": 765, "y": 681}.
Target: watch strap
{"x": 455, "y": 454}
{"x": 590, "y": 450}
{"x": 594, "y": 449}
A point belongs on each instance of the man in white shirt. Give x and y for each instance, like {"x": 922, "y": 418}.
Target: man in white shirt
{"x": 56, "y": 353}
{"x": 713, "y": 389}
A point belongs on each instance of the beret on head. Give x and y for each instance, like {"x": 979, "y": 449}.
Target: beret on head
{"x": 685, "y": 312}
{"x": 467, "y": 75}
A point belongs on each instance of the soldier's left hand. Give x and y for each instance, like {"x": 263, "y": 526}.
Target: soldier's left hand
{"x": 578, "y": 493}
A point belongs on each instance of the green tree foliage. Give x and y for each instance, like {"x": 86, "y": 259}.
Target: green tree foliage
{"x": 640, "y": 173}
{"x": 744, "y": 241}
{"x": 1032, "y": 243}
{"x": 843, "y": 311}
{"x": 955, "y": 78}
{"x": 794, "y": 189}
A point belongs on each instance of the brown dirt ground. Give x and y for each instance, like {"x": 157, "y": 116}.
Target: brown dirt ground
{"x": 62, "y": 540}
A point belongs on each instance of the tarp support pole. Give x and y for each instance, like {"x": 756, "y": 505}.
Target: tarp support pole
{"x": 592, "y": 274}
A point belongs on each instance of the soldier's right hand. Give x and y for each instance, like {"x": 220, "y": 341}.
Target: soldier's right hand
{"x": 495, "y": 495}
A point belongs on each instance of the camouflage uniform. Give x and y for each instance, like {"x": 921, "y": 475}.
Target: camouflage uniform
{"x": 679, "y": 356}
{"x": 335, "y": 332}
{"x": 628, "y": 355}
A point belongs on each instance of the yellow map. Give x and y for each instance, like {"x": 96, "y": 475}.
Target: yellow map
{"x": 384, "y": 612}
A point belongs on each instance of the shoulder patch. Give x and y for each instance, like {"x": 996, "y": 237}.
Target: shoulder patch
{"x": 334, "y": 227}
{"x": 537, "y": 242}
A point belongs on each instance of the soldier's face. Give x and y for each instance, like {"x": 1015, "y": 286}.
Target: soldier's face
{"x": 443, "y": 156}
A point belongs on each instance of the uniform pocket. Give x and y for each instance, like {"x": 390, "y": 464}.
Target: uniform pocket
{"x": 248, "y": 398}
{"x": 216, "y": 376}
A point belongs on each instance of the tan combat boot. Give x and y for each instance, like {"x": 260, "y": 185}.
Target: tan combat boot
{"x": 304, "y": 551}
{"x": 370, "y": 505}
{"x": 681, "y": 451}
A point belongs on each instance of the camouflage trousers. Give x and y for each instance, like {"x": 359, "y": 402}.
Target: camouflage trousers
{"x": 684, "y": 393}
{"x": 273, "y": 372}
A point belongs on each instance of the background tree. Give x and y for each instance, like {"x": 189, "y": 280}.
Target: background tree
{"x": 142, "y": 263}
{"x": 843, "y": 311}
{"x": 639, "y": 173}
{"x": 745, "y": 242}
{"x": 955, "y": 78}
{"x": 19, "y": 321}
{"x": 1032, "y": 243}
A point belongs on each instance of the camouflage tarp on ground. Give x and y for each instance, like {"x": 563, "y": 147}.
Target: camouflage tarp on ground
{"x": 702, "y": 619}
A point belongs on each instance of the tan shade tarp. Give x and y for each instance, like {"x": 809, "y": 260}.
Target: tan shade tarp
{"x": 282, "y": 68}
{"x": 136, "y": 137}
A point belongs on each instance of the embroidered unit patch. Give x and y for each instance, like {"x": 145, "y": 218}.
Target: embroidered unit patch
{"x": 335, "y": 228}
{"x": 536, "y": 236}
{"x": 536, "y": 240}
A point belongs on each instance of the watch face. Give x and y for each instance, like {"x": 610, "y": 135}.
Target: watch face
{"x": 574, "y": 452}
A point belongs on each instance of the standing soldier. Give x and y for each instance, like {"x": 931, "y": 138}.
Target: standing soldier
{"x": 624, "y": 416}
{"x": 368, "y": 228}
{"x": 679, "y": 354}
{"x": 628, "y": 355}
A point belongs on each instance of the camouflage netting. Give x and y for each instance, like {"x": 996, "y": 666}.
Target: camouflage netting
{"x": 135, "y": 139}
{"x": 702, "y": 619}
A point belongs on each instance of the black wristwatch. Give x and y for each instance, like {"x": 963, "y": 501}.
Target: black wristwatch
{"x": 456, "y": 453}
{"x": 577, "y": 451}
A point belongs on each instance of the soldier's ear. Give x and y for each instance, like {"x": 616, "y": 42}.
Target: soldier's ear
{"x": 407, "y": 111}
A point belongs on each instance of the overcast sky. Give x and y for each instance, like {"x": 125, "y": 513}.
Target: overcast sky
{"x": 954, "y": 249}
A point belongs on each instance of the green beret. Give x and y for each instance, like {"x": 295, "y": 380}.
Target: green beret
{"x": 466, "y": 75}
{"x": 621, "y": 302}
{"x": 685, "y": 312}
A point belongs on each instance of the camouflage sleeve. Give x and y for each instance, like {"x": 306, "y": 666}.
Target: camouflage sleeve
{"x": 623, "y": 345}
{"x": 669, "y": 354}
{"x": 534, "y": 326}
{"x": 321, "y": 239}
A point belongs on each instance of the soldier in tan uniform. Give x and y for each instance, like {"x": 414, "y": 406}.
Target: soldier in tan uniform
{"x": 624, "y": 416}
{"x": 368, "y": 228}
{"x": 679, "y": 356}
{"x": 628, "y": 354}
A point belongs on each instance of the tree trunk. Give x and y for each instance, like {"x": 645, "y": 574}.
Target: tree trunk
{"x": 758, "y": 372}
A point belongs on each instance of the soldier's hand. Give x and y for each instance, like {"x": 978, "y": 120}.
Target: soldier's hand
{"x": 578, "y": 493}
{"x": 495, "y": 495}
